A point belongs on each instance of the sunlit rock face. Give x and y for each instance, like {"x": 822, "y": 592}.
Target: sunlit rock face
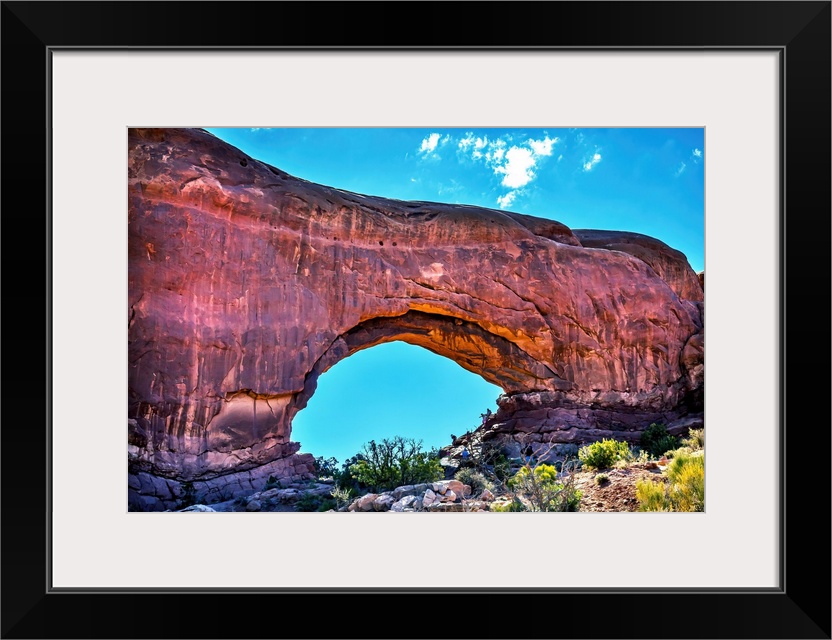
{"x": 246, "y": 283}
{"x": 670, "y": 265}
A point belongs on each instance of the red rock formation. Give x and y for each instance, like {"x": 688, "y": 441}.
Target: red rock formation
{"x": 245, "y": 284}
{"x": 670, "y": 265}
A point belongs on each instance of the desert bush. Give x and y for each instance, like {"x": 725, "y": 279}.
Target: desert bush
{"x": 652, "y": 496}
{"x": 474, "y": 479}
{"x": 489, "y": 459}
{"x": 540, "y": 488}
{"x": 501, "y": 467}
{"x": 505, "y": 507}
{"x": 343, "y": 496}
{"x": 683, "y": 491}
{"x": 681, "y": 451}
{"x": 603, "y": 454}
{"x": 686, "y": 476}
{"x": 656, "y": 440}
{"x": 601, "y": 478}
{"x": 312, "y": 502}
{"x": 640, "y": 455}
{"x": 695, "y": 440}
{"x": 395, "y": 462}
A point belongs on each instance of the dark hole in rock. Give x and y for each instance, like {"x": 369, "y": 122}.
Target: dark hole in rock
{"x": 243, "y": 162}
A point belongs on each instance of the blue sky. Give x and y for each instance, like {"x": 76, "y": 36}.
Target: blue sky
{"x": 648, "y": 181}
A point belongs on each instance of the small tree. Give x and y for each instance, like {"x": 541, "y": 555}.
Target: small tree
{"x": 395, "y": 462}
{"x": 540, "y": 487}
{"x": 326, "y": 467}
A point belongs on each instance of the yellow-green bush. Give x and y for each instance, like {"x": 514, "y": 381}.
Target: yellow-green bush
{"x": 684, "y": 490}
{"x": 695, "y": 440}
{"x": 602, "y": 455}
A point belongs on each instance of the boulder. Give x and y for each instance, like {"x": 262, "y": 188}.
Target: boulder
{"x": 365, "y": 502}
{"x": 383, "y": 502}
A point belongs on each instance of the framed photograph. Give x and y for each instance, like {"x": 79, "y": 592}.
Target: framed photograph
{"x": 753, "y": 77}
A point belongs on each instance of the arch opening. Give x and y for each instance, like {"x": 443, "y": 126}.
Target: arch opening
{"x": 486, "y": 356}
{"x": 387, "y": 390}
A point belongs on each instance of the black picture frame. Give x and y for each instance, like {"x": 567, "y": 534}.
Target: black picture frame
{"x": 799, "y": 31}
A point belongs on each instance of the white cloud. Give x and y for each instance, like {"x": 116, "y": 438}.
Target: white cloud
{"x": 696, "y": 156}
{"x": 255, "y": 129}
{"x": 515, "y": 164}
{"x": 506, "y": 201}
{"x": 590, "y": 162}
{"x": 466, "y": 141}
{"x": 560, "y": 157}
{"x": 495, "y": 156}
{"x": 518, "y": 169}
{"x": 542, "y": 147}
{"x": 429, "y": 144}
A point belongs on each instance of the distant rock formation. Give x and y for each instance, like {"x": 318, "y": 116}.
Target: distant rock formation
{"x": 246, "y": 284}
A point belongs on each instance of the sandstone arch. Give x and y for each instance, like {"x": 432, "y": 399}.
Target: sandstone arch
{"x": 245, "y": 284}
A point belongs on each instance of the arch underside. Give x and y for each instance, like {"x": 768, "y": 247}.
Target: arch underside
{"x": 494, "y": 358}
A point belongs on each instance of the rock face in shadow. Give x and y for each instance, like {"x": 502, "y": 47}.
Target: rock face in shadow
{"x": 246, "y": 283}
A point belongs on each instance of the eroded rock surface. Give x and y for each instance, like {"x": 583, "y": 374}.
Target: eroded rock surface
{"x": 245, "y": 284}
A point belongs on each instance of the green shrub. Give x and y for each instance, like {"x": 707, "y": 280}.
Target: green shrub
{"x": 603, "y": 454}
{"x": 345, "y": 479}
{"x": 473, "y": 479}
{"x": 505, "y": 507}
{"x": 501, "y": 467}
{"x": 684, "y": 490}
{"x": 395, "y": 462}
{"x": 695, "y": 440}
{"x": 540, "y": 489}
{"x": 326, "y": 467}
{"x": 311, "y": 502}
{"x": 656, "y": 440}
{"x": 641, "y": 456}
{"x": 601, "y": 478}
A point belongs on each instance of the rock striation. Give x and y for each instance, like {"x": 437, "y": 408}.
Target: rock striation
{"x": 246, "y": 284}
